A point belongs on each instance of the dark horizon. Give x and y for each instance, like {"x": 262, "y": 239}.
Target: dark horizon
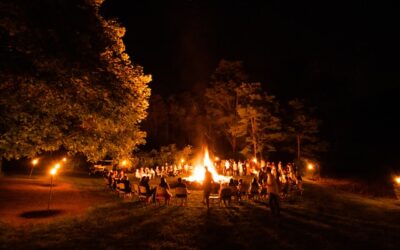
{"x": 339, "y": 57}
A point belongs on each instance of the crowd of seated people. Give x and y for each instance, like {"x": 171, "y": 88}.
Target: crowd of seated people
{"x": 286, "y": 177}
{"x": 287, "y": 181}
{"x": 113, "y": 178}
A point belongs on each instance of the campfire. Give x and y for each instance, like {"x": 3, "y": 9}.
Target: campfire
{"x": 199, "y": 171}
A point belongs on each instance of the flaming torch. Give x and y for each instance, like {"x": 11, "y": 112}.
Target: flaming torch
{"x": 52, "y": 172}
{"x": 34, "y": 163}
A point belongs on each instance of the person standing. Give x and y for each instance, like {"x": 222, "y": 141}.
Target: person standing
{"x": 273, "y": 191}
{"x": 207, "y": 184}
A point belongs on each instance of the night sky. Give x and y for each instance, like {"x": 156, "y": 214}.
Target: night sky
{"x": 341, "y": 57}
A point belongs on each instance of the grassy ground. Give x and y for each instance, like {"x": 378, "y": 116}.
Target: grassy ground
{"x": 324, "y": 219}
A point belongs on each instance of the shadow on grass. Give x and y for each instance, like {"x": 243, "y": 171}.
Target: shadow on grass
{"x": 46, "y": 185}
{"x": 39, "y": 214}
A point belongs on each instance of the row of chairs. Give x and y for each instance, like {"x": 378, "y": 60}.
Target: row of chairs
{"x": 141, "y": 194}
{"x": 228, "y": 194}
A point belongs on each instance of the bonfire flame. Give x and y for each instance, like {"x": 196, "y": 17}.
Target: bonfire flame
{"x": 199, "y": 171}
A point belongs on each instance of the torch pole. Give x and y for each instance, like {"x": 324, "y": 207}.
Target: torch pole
{"x": 30, "y": 175}
{"x": 50, "y": 193}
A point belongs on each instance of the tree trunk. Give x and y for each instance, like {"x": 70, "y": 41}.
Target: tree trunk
{"x": 234, "y": 146}
{"x": 1, "y": 166}
{"x": 298, "y": 146}
{"x": 253, "y": 130}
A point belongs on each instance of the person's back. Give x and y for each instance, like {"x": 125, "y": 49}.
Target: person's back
{"x": 207, "y": 185}
{"x": 232, "y": 183}
{"x": 254, "y": 186}
{"x": 182, "y": 189}
{"x": 163, "y": 184}
{"x": 272, "y": 185}
{"x": 208, "y": 180}
{"x": 163, "y": 189}
{"x": 127, "y": 184}
{"x": 181, "y": 184}
{"x": 146, "y": 184}
{"x": 273, "y": 191}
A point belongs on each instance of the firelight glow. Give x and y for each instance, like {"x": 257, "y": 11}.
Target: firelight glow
{"x": 53, "y": 171}
{"x": 397, "y": 180}
{"x": 310, "y": 166}
{"x": 35, "y": 161}
{"x": 57, "y": 166}
{"x": 199, "y": 171}
{"x": 64, "y": 159}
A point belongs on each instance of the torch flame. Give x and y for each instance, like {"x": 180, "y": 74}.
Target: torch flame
{"x": 53, "y": 171}
{"x": 199, "y": 171}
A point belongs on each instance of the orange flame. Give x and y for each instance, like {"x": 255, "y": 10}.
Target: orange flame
{"x": 199, "y": 171}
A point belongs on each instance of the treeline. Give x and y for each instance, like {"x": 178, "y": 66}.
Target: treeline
{"x": 235, "y": 118}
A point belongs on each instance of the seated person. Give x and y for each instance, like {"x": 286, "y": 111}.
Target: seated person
{"x": 254, "y": 188}
{"x": 263, "y": 192}
{"x": 285, "y": 187}
{"x": 165, "y": 189}
{"x": 181, "y": 185}
{"x": 127, "y": 184}
{"x": 225, "y": 193}
{"x": 242, "y": 189}
{"x": 110, "y": 178}
{"x": 232, "y": 183}
{"x": 233, "y": 186}
{"x": 142, "y": 181}
{"x": 145, "y": 183}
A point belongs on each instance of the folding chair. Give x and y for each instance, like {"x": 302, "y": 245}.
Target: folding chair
{"x": 162, "y": 194}
{"x": 143, "y": 196}
{"x": 181, "y": 193}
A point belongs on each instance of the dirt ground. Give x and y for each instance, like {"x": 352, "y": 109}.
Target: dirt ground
{"x": 24, "y": 200}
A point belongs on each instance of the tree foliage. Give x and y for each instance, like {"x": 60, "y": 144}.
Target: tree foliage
{"x": 68, "y": 82}
{"x": 258, "y": 115}
{"x": 222, "y": 101}
{"x": 302, "y": 129}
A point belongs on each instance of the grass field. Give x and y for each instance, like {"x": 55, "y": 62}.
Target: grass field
{"x": 324, "y": 219}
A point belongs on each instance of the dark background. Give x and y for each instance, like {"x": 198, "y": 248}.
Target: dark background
{"x": 342, "y": 57}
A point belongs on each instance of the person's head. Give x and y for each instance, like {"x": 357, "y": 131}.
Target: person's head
{"x": 206, "y": 168}
{"x": 163, "y": 180}
{"x": 231, "y": 181}
{"x": 179, "y": 180}
{"x": 268, "y": 170}
{"x": 240, "y": 181}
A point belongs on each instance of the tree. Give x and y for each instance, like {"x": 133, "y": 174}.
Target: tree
{"x": 68, "y": 82}
{"x": 222, "y": 101}
{"x": 303, "y": 128}
{"x": 258, "y": 115}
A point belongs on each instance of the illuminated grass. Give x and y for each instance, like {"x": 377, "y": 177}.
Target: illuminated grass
{"x": 325, "y": 219}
